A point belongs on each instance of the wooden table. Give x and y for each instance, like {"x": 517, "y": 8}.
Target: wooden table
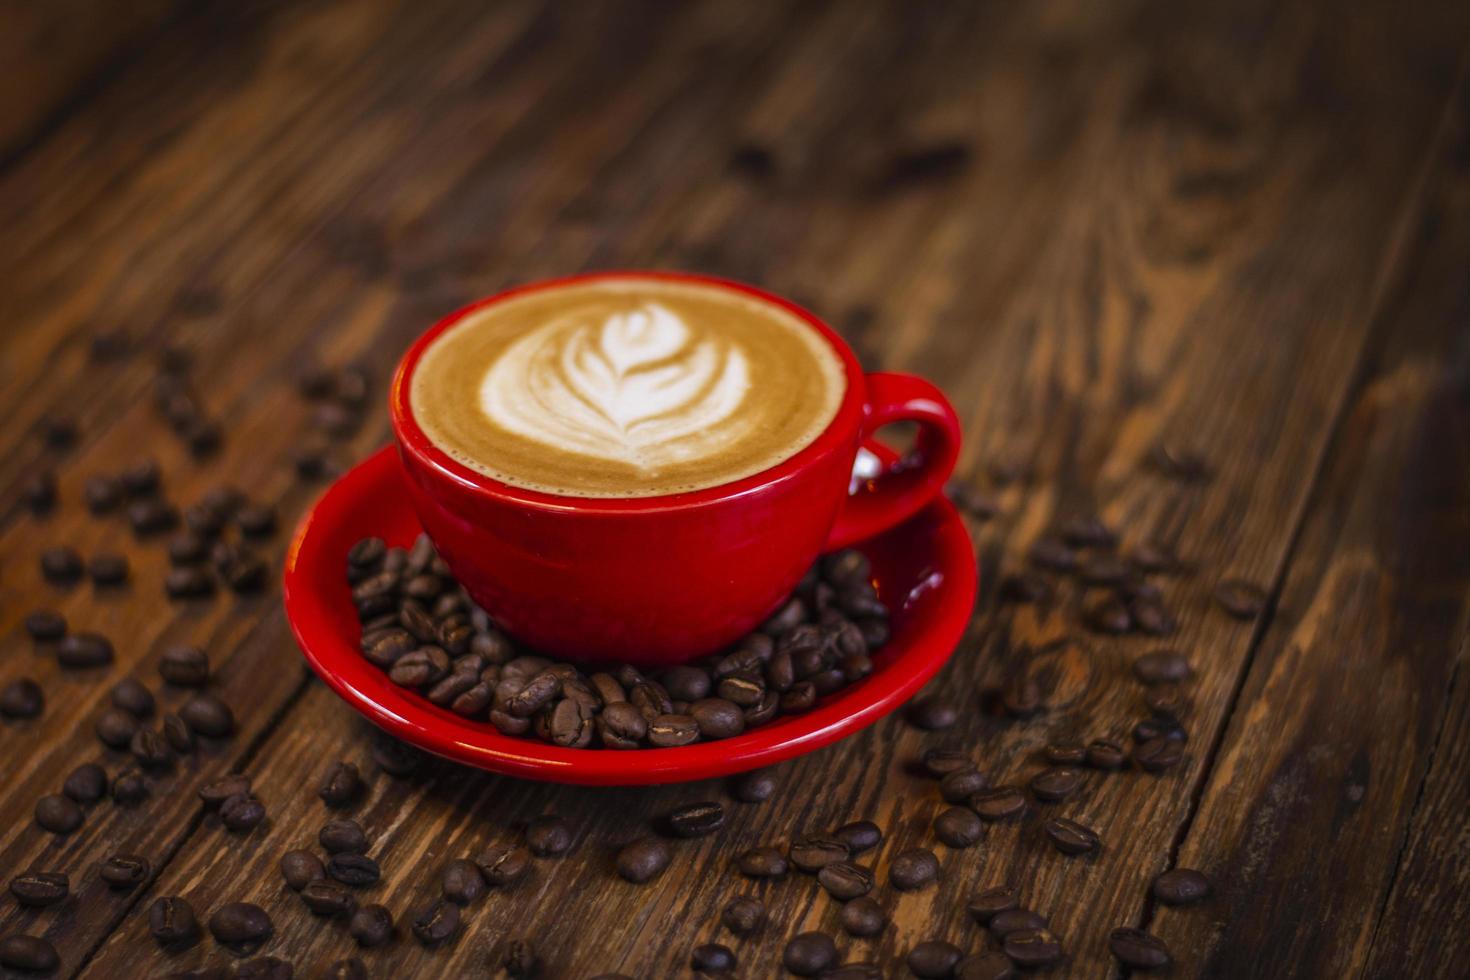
{"x": 1237, "y": 230}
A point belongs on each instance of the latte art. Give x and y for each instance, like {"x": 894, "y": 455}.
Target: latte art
{"x": 626, "y": 387}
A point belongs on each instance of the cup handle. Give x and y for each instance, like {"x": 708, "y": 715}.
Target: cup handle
{"x": 906, "y": 487}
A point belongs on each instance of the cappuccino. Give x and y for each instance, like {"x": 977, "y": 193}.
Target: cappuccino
{"x": 626, "y": 387}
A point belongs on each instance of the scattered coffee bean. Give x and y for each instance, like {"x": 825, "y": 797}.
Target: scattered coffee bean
{"x": 1149, "y": 616}
{"x": 141, "y": 478}
{"x": 58, "y": 814}
{"x": 1021, "y": 697}
{"x": 643, "y": 860}
{"x": 990, "y": 965}
{"x": 215, "y": 793}
{"x": 188, "y": 582}
{"x": 125, "y": 871}
{"x": 1181, "y": 886}
{"x": 61, "y": 565}
{"x": 28, "y": 953}
{"x": 1052, "y": 554}
{"x": 80, "y": 650}
{"x": 131, "y": 696}
{"x": 207, "y": 715}
{"x": 58, "y": 431}
{"x": 712, "y": 958}
{"x": 1033, "y": 949}
{"x": 859, "y": 836}
{"x": 991, "y": 902}
{"x": 933, "y": 712}
{"x": 504, "y": 864}
{"x": 242, "y": 926}
{"x": 171, "y": 922}
{"x": 1137, "y": 949}
{"x": 1159, "y": 754}
{"x": 1167, "y": 701}
{"x": 177, "y": 733}
{"x": 255, "y": 520}
{"x": 1007, "y": 921}
{"x": 1105, "y": 754}
{"x": 116, "y": 728}
{"x": 301, "y": 868}
{"x": 912, "y": 869}
{"x": 87, "y": 783}
{"x": 151, "y": 515}
{"x": 998, "y": 803}
{"x": 809, "y": 953}
{"x": 1070, "y": 837}
{"x": 436, "y": 923}
{"x": 521, "y": 960}
{"x": 1054, "y": 785}
{"x": 346, "y": 969}
{"x": 1025, "y": 587}
{"x": 844, "y": 880}
{"x": 371, "y": 925}
{"x": 44, "y": 625}
{"x": 38, "y": 491}
{"x": 863, "y": 917}
{"x": 241, "y": 814}
{"x": 960, "y": 785}
{"x": 1240, "y": 599}
{"x": 38, "y": 889}
{"x": 763, "y": 862}
{"x": 328, "y": 899}
{"x": 184, "y": 666}
{"x": 1161, "y": 667}
{"x": 697, "y": 819}
{"x": 743, "y": 915}
{"x": 340, "y": 784}
{"x": 107, "y": 568}
{"x": 151, "y": 749}
{"x": 813, "y": 853}
{"x": 548, "y": 836}
{"x": 1108, "y": 615}
{"x": 1065, "y": 753}
{"x": 755, "y": 786}
{"x": 957, "y": 827}
{"x": 934, "y": 958}
{"x": 357, "y": 870}
{"x": 129, "y": 788}
{"x": 942, "y": 760}
{"x": 22, "y": 698}
{"x": 342, "y": 837}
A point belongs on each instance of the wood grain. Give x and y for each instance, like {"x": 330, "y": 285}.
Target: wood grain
{"x": 1155, "y": 224}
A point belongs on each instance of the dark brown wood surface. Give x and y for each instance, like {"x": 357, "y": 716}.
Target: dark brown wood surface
{"x": 1234, "y": 229}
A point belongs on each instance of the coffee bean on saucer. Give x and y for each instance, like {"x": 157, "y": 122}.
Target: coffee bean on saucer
{"x": 45, "y": 625}
{"x": 38, "y": 491}
{"x": 1181, "y": 886}
{"x": 863, "y": 917}
{"x": 340, "y": 784}
{"x": 520, "y": 959}
{"x": 933, "y": 713}
{"x": 1240, "y": 599}
{"x": 913, "y": 869}
{"x": 129, "y": 788}
{"x": 1105, "y": 754}
{"x": 242, "y": 926}
{"x": 151, "y": 749}
{"x": 718, "y": 717}
{"x": 743, "y": 915}
{"x": 755, "y": 786}
{"x": 1033, "y": 949}
{"x": 371, "y": 925}
{"x": 207, "y": 715}
{"x": 107, "y": 568}
{"x": 859, "y": 836}
{"x": 844, "y": 880}
{"x": 131, "y": 696}
{"x": 81, "y": 650}
{"x": 643, "y": 860}
{"x": 61, "y": 566}
{"x": 1162, "y": 667}
{"x": 58, "y": 814}
{"x": 813, "y": 853}
{"x": 327, "y": 899}
{"x": 934, "y": 958}
{"x": 670, "y": 730}
{"x": 991, "y": 902}
{"x": 38, "y": 889}
{"x": 1137, "y": 949}
{"x": 1159, "y": 754}
{"x": 125, "y": 871}
{"x": 357, "y": 870}
{"x": 1071, "y": 837}
{"x": 301, "y": 868}
{"x": 215, "y": 793}
{"x": 22, "y": 698}
{"x": 188, "y": 582}
{"x": 29, "y": 953}
{"x": 171, "y": 922}
{"x": 1056, "y": 784}
{"x": 763, "y": 862}
{"x": 809, "y": 953}
{"x": 712, "y": 958}
{"x": 697, "y": 819}
{"x": 86, "y": 783}
{"x": 342, "y": 837}
{"x": 960, "y": 785}
{"x": 184, "y": 666}
{"x": 241, "y": 814}
{"x": 505, "y": 864}
{"x": 1007, "y": 921}
{"x": 957, "y": 827}
{"x": 436, "y": 923}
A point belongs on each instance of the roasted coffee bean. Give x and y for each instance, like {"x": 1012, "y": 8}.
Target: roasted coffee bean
{"x": 58, "y": 814}
{"x": 686, "y": 683}
{"x": 990, "y": 965}
{"x": 61, "y": 566}
{"x": 934, "y": 958}
{"x": 763, "y": 862}
{"x": 424, "y": 666}
{"x": 1166, "y": 701}
{"x": 371, "y": 925}
{"x": 913, "y": 869}
{"x": 84, "y": 650}
{"x": 697, "y": 819}
{"x": 22, "y": 698}
{"x": 1108, "y": 615}
{"x": 712, "y": 958}
{"x": 942, "y": 760}
{"x": 1181, "y": 886}
{"x": 863, "y": 917}
{"x": 755, "y": 786}
{"x": 1103, "y": 570}
{"x": 353, "y": 869}
{"x": 141, "y": 478}
{"x": 1135, "y": 588}
{"x": 39, "y": 491}
{"x": 132, "y": 697}
{"x": 1065, "y": 753}
{"x": 207, "y": 715}
{"x": 1154, "y": 728}
{"x": 1240, "y": 599}
{"x": 125, "y": 871}
{"x": 764, "y": 712}
{"x": 1025, "y": 587}
{"x": 1162, "y": 667}
{"x": 116, "y": 728}
{"x": 859, "y": 836}
{"x": 571, "y": 724}
{"x": 29, "y": 953}
{"x": 813, "y": 853}
{"x": 844, "y": 880}
{"x": 1071, "y": 837}
{"x": 389, "y": 646}
{"x": 342, "y": 837}
{"x": 1003, "y": 923}
{"x": 1053, "y": 785}
{"x": 340, "y": 784}
{"x": 241, "y": 814}
{"x": 933, "y": 712}
{"x": 37, "y": 889}
{"x": 505, "y": 864}
{"x": 1137, "y": 949}
{"x": 957, "y": 827}
{"x": 960, "y": 785}
{"x": 1149, "y": 616}
{"x": 846, "y": 566}
{"x": 854, "y": 971}
{"x": 242, "y": 926}
{"x": 785, "y": 618}
{"x": 621, "y": 726}
{"x": 520, "y": 959}
{"x": 743, "y": 915}
{"x": 1033, "y": 949}
{"x": 58, "y": 431}
{"x": 44, "y": 625}
{"x": 188, "y": 582}
{"x": 1105, "y": 754}
{"x": 461, "y": 881}
{"x": 809, "y": 954}
{"x": 129, "y": 788}
{"x": 325, "y": 898}
{"x": 669, "y": 730}
{"x": 245, "y": 573}
{"x": 643, "y": 860}
{"x": 992, "y": 902}
{"x": 87, "y": 783}
{"x": 255, "y": 520}
{"x": 1000, "y": 802}
{"x": 742, "y": 690}
{"x": 548, "y": 836}
{"x": 301, "y": 868}
{"x": 1159, "y": 754}
{"x": 346, "y": 969}
{"x": 436, "y": 923}
{"x": 151, "y": 515}
{"x": 474, "y": 700}
{"x": 171, "y": 922}
{"x": 1021, "y": 697}
{"x": 215, "y": 793}
{"x": 151, "y": 749}
{"x": 184, "y": 666}
{"x": 107, "y": 568}
{"x": 1052, "y": 554}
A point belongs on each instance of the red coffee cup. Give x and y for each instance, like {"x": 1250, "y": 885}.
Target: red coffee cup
{"x": 661, "y": 580}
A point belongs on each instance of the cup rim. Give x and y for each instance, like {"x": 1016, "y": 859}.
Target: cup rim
{"x": 413, "y": 441}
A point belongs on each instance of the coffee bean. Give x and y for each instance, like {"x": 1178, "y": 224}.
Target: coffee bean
{"x": 1105, "y": 754}
{"x": 957, "y": 827}
{"x": 743, "y": 915}
{"x": 184, "y": 666}
{"x": 934, "y": 958}
{"x": 346, "y": 969}
{"x": 1152, "y": 728}
{"x": 1071, "y": 837}
{"x": 813, "y": 853}
{"x": 61, "y": 566}
{"x": 1052, "y": 554}
{"x": 328, "y": 899}
{"x": 998, "y": 803}
{"x": 115, "y": 728}
{"x": 712, "y": 958}
{"x": 301, "y": 868}
{"x": 132, "y": 697}
{"x": 859, "y": 836}
{"x": 809, "y": 953}
{"x": 340, "y": 784}
{"x": 755, "y": 786}
{"x": 1065, "y": 753}
{"x": 81, "y": 650}
{"x": 670, "y": 730}
{"x": 87, "y": 783}
{"x": 863, "y": 917}
{"x": 207, "y": 715}
{"x": 960, "y": 785}
{"x": 22, "y": 698}
{"x": 991, "y": 965}
{"x": 548, "y": 836}
{"x": 717, "y": 717}
{"x": 151, "y": 515}
{"x": 151, "y": 749}
{"x": 58, "y": 814}
{"x": 1025, "y": 587}
{"x": 643, "y": 860}
{"x": 357, "y": 870}
{"x": 241, "y": 814}
{"x": 1007, "y": 921}
{"x": 1021, "y": 697}
{"x": 107, "y": 568}
{"x": 1033, "y": 949}
{"x": 505, "y": 864}
{"x": 242, "y": 926}
{"x": 171, "y": 922}
{"x": 265, "y": 968}
{"x": 1108, "y": 615}
{"x": 1103, "y": 570}
{"x": 991, "y": 902}
{"x": 188, "y": 582}
{"x": 621, "y": 726}
{"x": 1181, "y": 886}
{"x": 342, "y": 837}
{"x": 1135, "y": 588}
{"x": 44, "y": 625}
{"x": 763, "y": 862}
{"x": 521, "y": 960}
{"x": 912, "y": 869}
{"x": 1167, "y": 701}
{"x": 1149, "y": 616}
{"x": 129, "y": 788}
{"x": 844, "y": 880}
{"x": 436, "y": 923}
{"x": 1087, "y": 531}
{"x": 215, "y": 793}
{"x": 1053, "y": 785}
{"x": 38, "y": 491}
{"x": 1240, "y": 599}
{"x": 1159, "y": 754}
{"x": 58, "y": 431}
{"x": 933, "y": 713}
{"x": 28, "y": 953}
{"x": 1137, "y": 949}
{"x": 125, "y": 871}
{"x": 854, "y": 971}
{"x": 256, "y": 520}
{"x": 38, "y": 889}
{"x": 942, "y": 760}
{"x": 371, "y": 925}
{"x": 686, "y": 683}
{"x": 697, "y": 819}
{"x": 1161, "y": 667}
{"x": 178, "y": 734}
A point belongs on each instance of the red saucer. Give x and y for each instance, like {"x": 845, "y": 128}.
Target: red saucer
{"x": 924, "y": 571}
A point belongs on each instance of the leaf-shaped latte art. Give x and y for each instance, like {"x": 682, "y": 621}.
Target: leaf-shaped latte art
{"x": 637, "y": 386}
